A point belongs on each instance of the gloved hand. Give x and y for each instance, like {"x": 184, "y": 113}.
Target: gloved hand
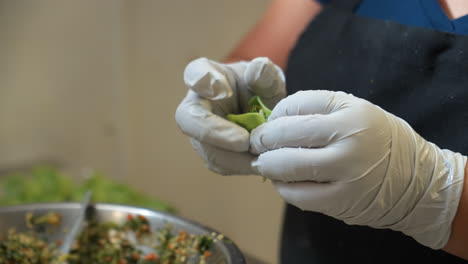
{"x": 215, "y": 90}
{"x": 342, "y": 156}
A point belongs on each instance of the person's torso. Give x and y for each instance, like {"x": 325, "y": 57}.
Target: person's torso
{"x": 419, "y": 13}
{"x": 418, "y": 74}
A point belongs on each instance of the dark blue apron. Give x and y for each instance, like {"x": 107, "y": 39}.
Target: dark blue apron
{"x": 418, "y": 74}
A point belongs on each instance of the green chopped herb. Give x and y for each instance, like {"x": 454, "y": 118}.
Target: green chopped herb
{"x": 47, "y": 184}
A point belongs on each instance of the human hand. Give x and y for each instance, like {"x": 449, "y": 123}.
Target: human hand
{"x": 342, "y": 156}
{"x": 215, "y": 90}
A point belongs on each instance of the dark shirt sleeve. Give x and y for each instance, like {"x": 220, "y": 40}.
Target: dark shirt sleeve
{"x": 323, "y": 2}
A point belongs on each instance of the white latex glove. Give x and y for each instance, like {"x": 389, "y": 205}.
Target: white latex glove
{"x": 215, "y": 90}
{"x": 340, "y": 155}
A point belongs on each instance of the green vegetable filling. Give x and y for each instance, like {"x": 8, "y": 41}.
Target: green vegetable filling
{"x": 257, "y": 114}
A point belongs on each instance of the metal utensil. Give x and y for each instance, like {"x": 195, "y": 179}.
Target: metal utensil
{"x": 70, "y": 237}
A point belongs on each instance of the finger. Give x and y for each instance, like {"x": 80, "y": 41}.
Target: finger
{"x": 302, "y": 131}
{"x": 195, "y": 119}
{"x": 311, "y": 102}
{"x": 209, "y": 79}
{"x": 311, "y": 196}
{"x": 266, "y": 80}
{"x": 329, "y": 164}
{"x": 225, "y": 162}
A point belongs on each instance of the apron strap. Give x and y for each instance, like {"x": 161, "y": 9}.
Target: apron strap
{"x": 346, "y": 4}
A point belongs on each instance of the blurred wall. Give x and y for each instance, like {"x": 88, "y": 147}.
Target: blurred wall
{"x": 63, "y": 85}
{"x": 96, "y": 84}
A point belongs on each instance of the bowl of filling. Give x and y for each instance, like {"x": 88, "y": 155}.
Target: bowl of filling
{"x": 111, "y": 234}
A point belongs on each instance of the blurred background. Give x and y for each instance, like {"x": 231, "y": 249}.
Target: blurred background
{"x": 93, "y": 85}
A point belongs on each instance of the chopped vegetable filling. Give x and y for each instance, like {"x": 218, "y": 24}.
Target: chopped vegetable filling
{"x": 257, "y": 114}
{"x": 106, "y": 243}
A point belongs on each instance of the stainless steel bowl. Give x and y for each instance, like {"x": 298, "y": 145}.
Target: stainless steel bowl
{"x": 14, "y": 217}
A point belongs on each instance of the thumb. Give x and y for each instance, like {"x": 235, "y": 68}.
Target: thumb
{"x": 265, "y": 79}
{"x": 312, "y": 102}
